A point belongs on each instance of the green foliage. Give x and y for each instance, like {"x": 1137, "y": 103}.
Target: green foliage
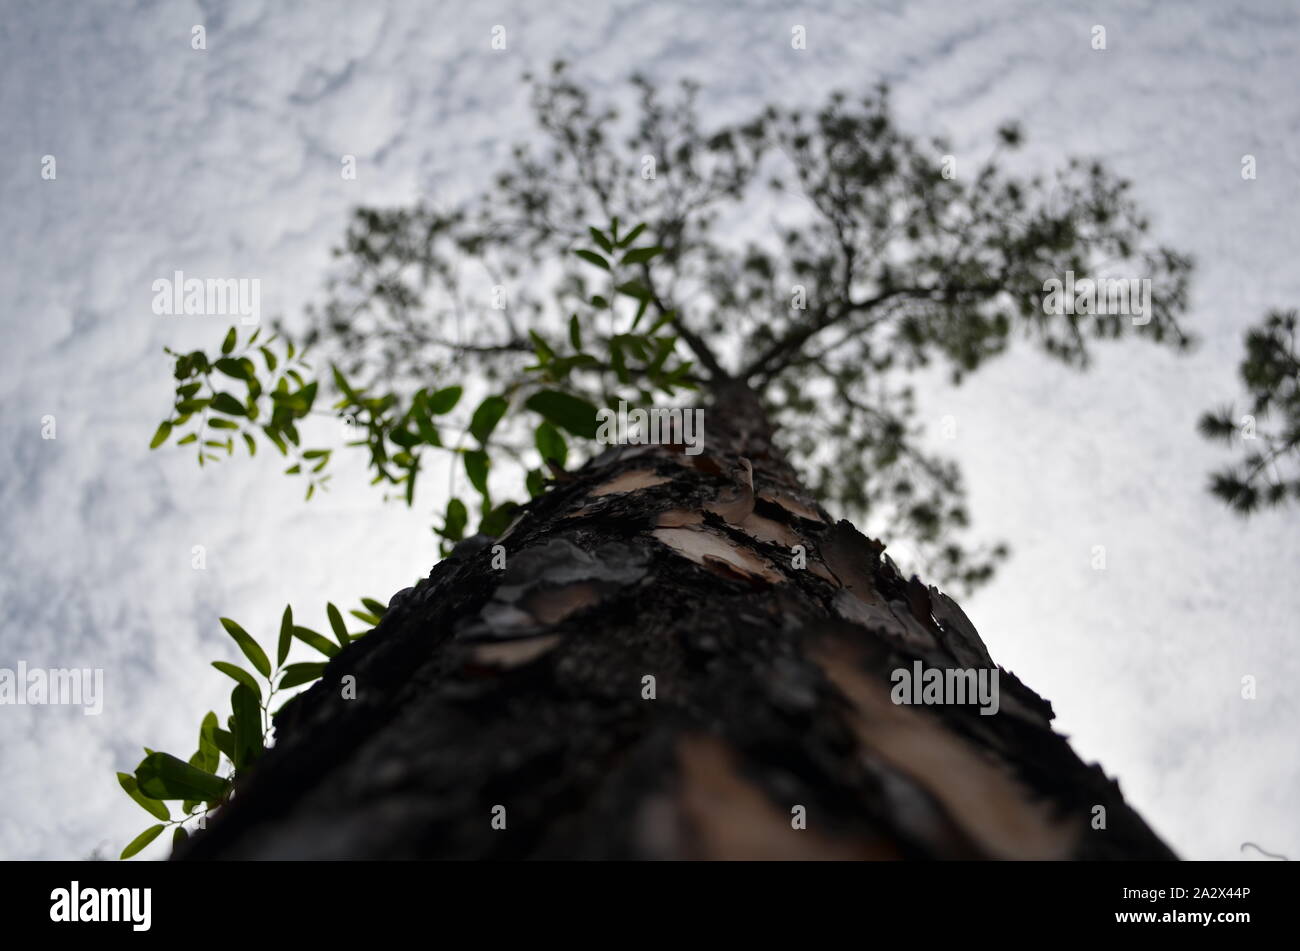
{"x": 398, "y": 430}
{"x": 163, "y": 776}
{"x": 1269, "y": 432}
{"x": 268, "y": 407}
{"x": 208, "y": 778}
{"x": 395, "y": 431}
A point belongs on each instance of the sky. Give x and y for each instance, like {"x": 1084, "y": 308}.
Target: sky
{"x": 225, "y": 161}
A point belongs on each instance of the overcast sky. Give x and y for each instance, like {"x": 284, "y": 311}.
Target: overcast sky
{"x": 226, "y": 162}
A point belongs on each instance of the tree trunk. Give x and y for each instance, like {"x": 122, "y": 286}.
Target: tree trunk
{"x": 682, "y": 656}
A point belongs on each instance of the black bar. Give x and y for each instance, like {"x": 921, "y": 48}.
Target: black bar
{"x": 224, "y": 901}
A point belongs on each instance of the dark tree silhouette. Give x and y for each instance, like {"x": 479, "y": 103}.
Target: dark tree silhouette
{"x": 876, "y": 264}
{"x": 1269, "y": 474}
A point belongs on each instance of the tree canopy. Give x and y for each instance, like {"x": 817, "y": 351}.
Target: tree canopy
{"x": 884, "y": 256}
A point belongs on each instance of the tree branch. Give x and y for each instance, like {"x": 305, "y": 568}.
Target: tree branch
{"x": 693, "y": 340}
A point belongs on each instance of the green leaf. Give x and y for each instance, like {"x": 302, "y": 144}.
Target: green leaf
{"x": 336, "y": 624}
{"x": 321, "y": 643}
{"x": 341, "y": 382}
{"x": 575, "y": 333}
{"x": 551, "y": 444}
{"x": 295, "y": 675}
{"x": 247, "y": 726}
{"x": 367, "y": 618}
{"x": 535, "y": 483}
{"x": 179, "y": 836}
{"x": 592, "y": 257}
{"x": 641, "y": 255}
{"x": 444, "y": 400}
{"x": 225, "y": 403}
{"x": 476, "y": 467}
{"x": 571, "y": 413}
{"x": 486, "y": 417}
{"x": 275, "y": 437}
{"x": 420, "y": 415}
{"x": 208, "y": 748}
{"x": 160, "y": 434}
{"x": 235, "y": 369}
{"x": 225, "y": 742}
{"x": 631, "y": 236}
{"x": 377, "y": 608}
{"x": 618, "y": 361}
{"x": 453, "y": 523}
{"x": 663, "y": 347}
{"x": 306, "y": 396}
{"x": 186, "y": 440}
{"x": 601, "y": 240}
{"x": 154, "y": 807}
{"x": 228, "y": 344}
{"x": 635, "y": 289}
{"x": 543, "y": 349}
{"x": 286, "y": 635}
{"x": 495, "y": 522}
{"x": 163, "y": 776}
{"x": 241, "y": 675}
{"x": 141, "y": 840}
{"x": 252, "y": 650}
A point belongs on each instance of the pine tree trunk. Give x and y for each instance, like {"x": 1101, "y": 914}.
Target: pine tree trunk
{"x": 683, "y": 656}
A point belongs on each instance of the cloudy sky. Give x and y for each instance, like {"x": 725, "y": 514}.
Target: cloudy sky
{"x": 226, "y": 162}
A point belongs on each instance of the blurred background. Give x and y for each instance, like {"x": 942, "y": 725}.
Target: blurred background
{"x": 225, "y": 161}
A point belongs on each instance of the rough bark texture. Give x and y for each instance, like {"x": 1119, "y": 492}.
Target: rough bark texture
{"x": 524, "y": 688}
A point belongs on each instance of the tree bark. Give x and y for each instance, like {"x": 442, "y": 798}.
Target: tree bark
{"x": 518, "y": 695}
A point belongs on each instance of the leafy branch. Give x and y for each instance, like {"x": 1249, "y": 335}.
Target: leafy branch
{"x": 206, "y": 781}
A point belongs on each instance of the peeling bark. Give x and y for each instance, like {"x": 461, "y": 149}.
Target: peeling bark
{"x": 771, "y": 732}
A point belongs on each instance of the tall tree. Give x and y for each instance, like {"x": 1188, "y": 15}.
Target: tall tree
{"x": 673, "y": 649}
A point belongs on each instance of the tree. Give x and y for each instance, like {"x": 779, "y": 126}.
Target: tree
{"x": 672, "y": 648}
{"x": 1269, "y": 475}
{"x": 884, "y": 257}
